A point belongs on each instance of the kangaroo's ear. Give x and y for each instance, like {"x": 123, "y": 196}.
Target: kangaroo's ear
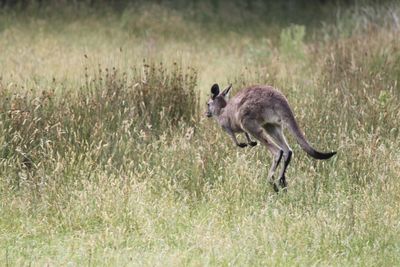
{"x": 225, "y": 93}
{"x": 215, "y": 90}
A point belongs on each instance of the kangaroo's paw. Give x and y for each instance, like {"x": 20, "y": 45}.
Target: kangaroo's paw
{"x": 242, "y": 145}
{"x": 252, "y": 143}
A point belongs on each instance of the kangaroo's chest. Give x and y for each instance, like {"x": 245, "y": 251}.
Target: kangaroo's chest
{"x": 236, "y": 125}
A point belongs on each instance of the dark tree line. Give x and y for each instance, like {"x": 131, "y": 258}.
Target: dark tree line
{"x": 123, "y": 3}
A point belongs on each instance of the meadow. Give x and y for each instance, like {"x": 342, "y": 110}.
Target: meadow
{"x": 107, "y": 159}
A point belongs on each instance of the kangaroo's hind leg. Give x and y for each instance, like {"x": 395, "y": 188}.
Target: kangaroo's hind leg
{"x": 276, "y": 159}
{"x": 255, "y": 129}
{"x": 276, "y": 133}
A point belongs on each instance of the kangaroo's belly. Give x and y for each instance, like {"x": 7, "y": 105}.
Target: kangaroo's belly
{"x": 237, "y": 129}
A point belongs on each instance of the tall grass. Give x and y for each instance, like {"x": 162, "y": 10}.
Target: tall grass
{"x": 106, "y": 159}
{"x": 108, "y": 111}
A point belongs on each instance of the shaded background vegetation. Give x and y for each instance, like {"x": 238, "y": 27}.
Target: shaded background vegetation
{"x": 106, "y": 158}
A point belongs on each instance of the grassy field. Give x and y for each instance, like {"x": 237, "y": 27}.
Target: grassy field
{"x": 106, "y": 158}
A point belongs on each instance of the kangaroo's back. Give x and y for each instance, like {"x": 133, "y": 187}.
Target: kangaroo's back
{"x": 262, "y": 103}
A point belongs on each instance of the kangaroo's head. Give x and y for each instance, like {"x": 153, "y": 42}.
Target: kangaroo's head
{"x": 217, "y": 100}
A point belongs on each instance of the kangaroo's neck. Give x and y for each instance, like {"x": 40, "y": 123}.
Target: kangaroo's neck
{"x": 224, "y": 119}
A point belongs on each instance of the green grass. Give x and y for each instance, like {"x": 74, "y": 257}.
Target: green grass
{"x": 106, "y": 158}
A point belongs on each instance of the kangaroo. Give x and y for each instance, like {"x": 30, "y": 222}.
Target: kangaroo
{"x": 262, "y": 112}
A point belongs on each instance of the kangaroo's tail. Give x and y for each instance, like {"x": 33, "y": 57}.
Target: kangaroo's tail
{"x": 301, "y": 139}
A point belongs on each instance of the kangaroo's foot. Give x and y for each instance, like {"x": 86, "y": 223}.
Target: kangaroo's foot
{"x": 283, "y": 183}
{"x": 252, "y": 143}
{"x": 274, "y": 185}
{"x": 242, "y": 145}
